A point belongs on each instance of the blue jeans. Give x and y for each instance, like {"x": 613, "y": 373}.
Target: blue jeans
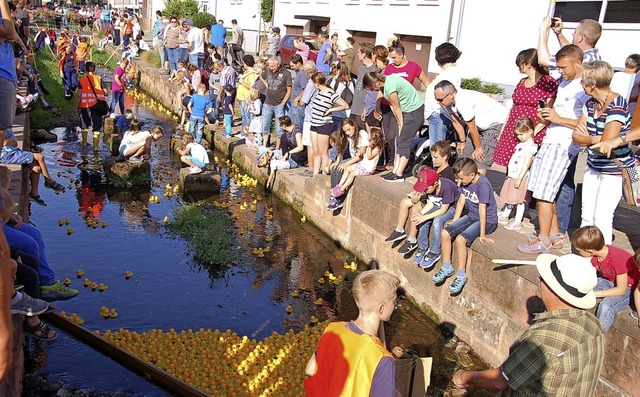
{"x": 184, "y": 54}
{"x": 468, "y": 229}
{"x": 196, "y": 59}
{"x": 564, "y": 200}
{"x": 125, "y": 40}
{"x": 438, "y": 224}
{"x": 297, "y": 115}
{"x": 246, "y": 116}
{"x": 28, "y": 240}
{"x": 117, "y": 98}
{"x": 174, "y": 56}
{"x": 438, "y": 126}
{"x": 196, "y": 127}
{"x": 227, "y": 124}
{"x": 268, "y": 111}
{"x": 213, "y": 116}
{"x": 610, "y": 305}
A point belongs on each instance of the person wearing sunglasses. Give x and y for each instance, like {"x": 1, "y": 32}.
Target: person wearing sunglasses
{"x": 172, "y": 43}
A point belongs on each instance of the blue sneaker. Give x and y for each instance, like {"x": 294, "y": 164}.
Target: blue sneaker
{"x": 443, "y": 274}
{"x": 457, "y": 285}
{"x": 429, "y": 260}
{"x": 419, "y": 255}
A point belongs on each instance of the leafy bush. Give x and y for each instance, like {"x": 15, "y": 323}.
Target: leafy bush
{"x": 266, "y": 10}
{"x": 202, "y": 19}
{"x": 477, "y": 85}
{"x": 181, "y": 8}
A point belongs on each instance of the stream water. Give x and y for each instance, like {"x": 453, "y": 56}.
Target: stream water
{"x": 170, "y": 290}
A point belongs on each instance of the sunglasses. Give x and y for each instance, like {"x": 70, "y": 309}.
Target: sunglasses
{"x": 174, "y": 21}
{"x": 440, "y": 100}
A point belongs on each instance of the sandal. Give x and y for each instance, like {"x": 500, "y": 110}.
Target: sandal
{"x": 54, "y": 185}
{"x": 37, "y": 199}
{"x": 40, "y": 331}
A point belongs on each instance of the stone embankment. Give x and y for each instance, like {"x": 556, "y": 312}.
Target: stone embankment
{"x": 495, "y": 306}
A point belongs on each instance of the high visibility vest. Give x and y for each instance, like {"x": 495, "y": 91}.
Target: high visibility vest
{"x": 87, "y": 98}
{"x": 346, "y": 363}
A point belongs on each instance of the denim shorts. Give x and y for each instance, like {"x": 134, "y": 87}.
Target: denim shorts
{"x": 468, "y": 229}
{"x": 197, "y": 162}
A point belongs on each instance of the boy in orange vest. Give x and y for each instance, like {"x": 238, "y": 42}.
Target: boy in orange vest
{"x": 350, "y": 359}
{"x": 81, "y": 53}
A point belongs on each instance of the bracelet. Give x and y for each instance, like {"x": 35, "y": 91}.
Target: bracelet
{"x": 465, "y": 141}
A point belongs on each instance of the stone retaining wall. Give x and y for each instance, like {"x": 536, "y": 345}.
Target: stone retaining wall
{"x": 491, "y": 312}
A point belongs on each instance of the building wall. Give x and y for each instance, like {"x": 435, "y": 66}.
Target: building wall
{"x": 491, "y": 32}
{"x": 246, "y": 12}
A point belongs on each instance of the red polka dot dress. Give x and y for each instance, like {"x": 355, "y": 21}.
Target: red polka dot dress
{"x": 525, "y": 103}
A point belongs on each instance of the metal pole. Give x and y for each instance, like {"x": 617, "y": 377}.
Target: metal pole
{"x": 460, "y": 18}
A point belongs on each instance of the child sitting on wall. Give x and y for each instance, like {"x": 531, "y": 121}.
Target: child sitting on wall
{"x": 194, "y": 154}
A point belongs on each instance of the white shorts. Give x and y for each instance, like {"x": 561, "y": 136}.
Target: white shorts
{"x": 306, "y": 133}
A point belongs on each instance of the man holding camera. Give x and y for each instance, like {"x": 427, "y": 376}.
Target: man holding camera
{"x": 585, "y": 36}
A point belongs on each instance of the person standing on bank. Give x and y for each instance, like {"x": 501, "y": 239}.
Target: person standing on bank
{"x": 91, "y": 91}
{"x": 562, "y": 351}
{"x": 325, "y": 55}
{"x": 408, "y": 109}
{"x": 278, "y": 93}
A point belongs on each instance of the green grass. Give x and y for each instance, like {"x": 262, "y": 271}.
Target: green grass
{"x": 152, "y": 58}
{"x": 206, "y": 229}
{"x": 47, "y": 64}
{"x": 101, "y": 57}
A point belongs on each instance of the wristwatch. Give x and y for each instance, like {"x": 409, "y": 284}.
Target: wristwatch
{"x": 623, "y": 136}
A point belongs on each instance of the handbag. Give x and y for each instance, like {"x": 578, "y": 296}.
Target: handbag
{"x": 101, "y": 107}
{"x": 630, "y": 182}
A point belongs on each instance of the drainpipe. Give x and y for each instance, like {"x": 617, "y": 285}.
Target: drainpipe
{"x": 460, "y": 18}
{"x": 453, "y": 3}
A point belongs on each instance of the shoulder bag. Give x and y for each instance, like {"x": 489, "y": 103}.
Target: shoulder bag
{"x": 630, "y": 183}
{"x": 101, "y": 107}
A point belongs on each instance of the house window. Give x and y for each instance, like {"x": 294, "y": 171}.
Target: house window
{"x": 623, "y": 12}
{"x": 576, "y": 11}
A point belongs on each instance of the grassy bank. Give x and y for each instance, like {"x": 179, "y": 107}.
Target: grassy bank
{"x": 64, "y": 113}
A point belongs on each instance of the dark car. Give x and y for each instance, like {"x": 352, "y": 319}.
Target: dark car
{"x": 286, "y": 48}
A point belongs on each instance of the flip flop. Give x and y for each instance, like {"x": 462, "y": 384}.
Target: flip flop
{"x": 54, "y": 185}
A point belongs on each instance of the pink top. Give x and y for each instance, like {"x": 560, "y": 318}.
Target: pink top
{"x": 115, "y": 87}
{"x": 304, "y": 52}
{"x": 408, "y": 72}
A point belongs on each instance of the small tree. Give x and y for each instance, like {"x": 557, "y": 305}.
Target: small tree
{"x": 181, "y": 8}
{"x": 266, "y": 10}
{"x": 203, "y": 19}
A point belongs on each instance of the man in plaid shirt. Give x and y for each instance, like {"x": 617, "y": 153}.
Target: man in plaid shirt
{"x": 561, "y": 353}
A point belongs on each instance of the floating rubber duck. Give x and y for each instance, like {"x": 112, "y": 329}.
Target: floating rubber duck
{"x": 104, "y": 312}
{"x": 67, "y": 282}
{"x": 327, "y": 274}
{"x": 303, "y": 287}
{"x": 67, "y": 221}
{"x": 354, "y": 266}
{"x": 128, "y": 275}
{"x": 60, "y": 222}
{"x": 321, "y": 280}
{"x": 267, "y": 249}
{"x": 113, "y": 313}
{"x": 289, "y": 309}
{"x": 86, "y": 282}
{"x": 319, "y": 301}
{"x": 79, "y": 273}
{"x": 313, "y": 319}
{"x": 70, "y": 231}
{"x": 346, "y": 265}
{"x": 166, "y": 219}
{"x": 295, "y": 293}
{"x": 94, "y": 286}
{"x": 267, "y": 239}
{"x": 102, "y": 287}
{"x": 303, "y": 219}
{"x": 104, "y": 224}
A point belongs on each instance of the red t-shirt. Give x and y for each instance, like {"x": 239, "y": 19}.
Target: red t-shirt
{"x": 618, "y": 261}
{"x": 408, "y": 72}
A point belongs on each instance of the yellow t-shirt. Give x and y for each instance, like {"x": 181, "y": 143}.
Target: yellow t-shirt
{"x": 81, "y": 51}
{"x": 243, "y": 92}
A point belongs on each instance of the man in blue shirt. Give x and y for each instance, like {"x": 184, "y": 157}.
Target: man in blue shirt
{"x": 325, "y": 55}
{"x": 218, "y": 35}
{"x": 156, "y": 27}
{"x": 8, "y": 76}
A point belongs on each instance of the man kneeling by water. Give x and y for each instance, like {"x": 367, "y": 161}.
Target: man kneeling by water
{"x": 136, "y": 144}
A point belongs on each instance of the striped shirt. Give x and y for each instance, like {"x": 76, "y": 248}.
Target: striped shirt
{"x": 322, "y": 101}
{"x": 559, "y": 355}
{"x": 618, "y": 110}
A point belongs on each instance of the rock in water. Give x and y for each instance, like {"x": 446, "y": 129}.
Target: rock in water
{"x": 204, "y": 182}
{"x": 41, "y": 135}
{"x": 126, "y": 174}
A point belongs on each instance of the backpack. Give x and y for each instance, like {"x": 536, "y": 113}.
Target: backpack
{"x": 347, "y": 92}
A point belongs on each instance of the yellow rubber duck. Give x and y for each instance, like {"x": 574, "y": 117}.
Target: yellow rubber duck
{"x": 86, "y": 282}
{"x": 321, "y": 280}
{"x": 313, "y": 319}
{"x": 295, "y": 293}
{"x": 113, "y": 313}
{"x": 318, "y": 301}
{"x": 79, "y": 273}
{"x": 128, "y": 275}
{"x": 303, "y": 219}
{"x": 67, "y": 282}
{"x": 102, "y": 287}
{"x": 289, "y": 309}
{"x": 94, "y": 286}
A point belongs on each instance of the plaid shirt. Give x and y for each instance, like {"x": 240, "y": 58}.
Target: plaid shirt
{"x": 228, "y": 76}
{"x": 559, "y": 355}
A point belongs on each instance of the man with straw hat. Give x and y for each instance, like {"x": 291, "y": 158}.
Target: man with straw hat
{"x": 561, "y": 353}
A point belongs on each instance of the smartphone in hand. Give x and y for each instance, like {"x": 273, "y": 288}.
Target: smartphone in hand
{"x": 542, "y": 103}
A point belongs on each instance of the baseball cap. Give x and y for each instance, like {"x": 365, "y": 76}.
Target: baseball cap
{"x": 228, "y": 87}
{"x": 188, "y": 22}
{"x": 275, "y": 29}
{"x": 426, "y": 178}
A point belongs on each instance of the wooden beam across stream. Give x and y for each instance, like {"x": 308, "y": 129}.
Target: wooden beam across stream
{"x": 125, "y": 358}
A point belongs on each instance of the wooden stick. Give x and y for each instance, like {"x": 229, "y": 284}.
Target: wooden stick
{"x": 513, "y": 262}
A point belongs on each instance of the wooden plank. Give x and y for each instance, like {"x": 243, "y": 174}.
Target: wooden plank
{"x": 125, "y": 358}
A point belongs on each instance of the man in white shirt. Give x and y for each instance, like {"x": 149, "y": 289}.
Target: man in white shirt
{"x": 483, "y": 116}
{"x": 195, "y": 38}
{"x": 585, "y": 36}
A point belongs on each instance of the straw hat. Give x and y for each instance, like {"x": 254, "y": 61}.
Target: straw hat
{"x": 571, "y": 277}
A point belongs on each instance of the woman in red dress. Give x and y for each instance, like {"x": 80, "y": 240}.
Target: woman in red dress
{"x": 537, "y": 85}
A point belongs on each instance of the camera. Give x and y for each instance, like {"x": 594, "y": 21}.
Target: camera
{"x": 555, "y": 22}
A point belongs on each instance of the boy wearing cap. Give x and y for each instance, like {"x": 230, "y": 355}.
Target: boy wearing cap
{"x": 476, "y": 195}
{"x": 432, "y": 202}
{"x": 617, "y": 272}
{"x": 562, "y": 351}
{"x": 273, "y": 42}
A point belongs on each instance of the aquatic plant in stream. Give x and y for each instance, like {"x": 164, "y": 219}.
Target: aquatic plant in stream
{"x": 206, "y": 228}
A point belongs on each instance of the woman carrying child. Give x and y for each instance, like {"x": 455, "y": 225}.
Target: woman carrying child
{"x": 294, "y": 153}
{"x": 364, "y": 164}
{"x": 514, "y": 190}
{"x": 254, "y": 105}
{"x": 324, "y": 104}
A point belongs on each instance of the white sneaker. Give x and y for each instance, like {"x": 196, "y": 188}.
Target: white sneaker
{"x": 113, "y": 115}
{"x": 194, "y": 170}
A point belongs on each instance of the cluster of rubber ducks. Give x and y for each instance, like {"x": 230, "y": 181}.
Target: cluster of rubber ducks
{"x": 170, "y": 191}
{"x": 106, "y": 313}
{"x": 94, "y": 286}
{"x": 224, "y": 363}
{"x": 259, "y": 252}
{"x": 155, "y": 199}
{"x": 73, "y": 317}
{"x": 145, "y": 100}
